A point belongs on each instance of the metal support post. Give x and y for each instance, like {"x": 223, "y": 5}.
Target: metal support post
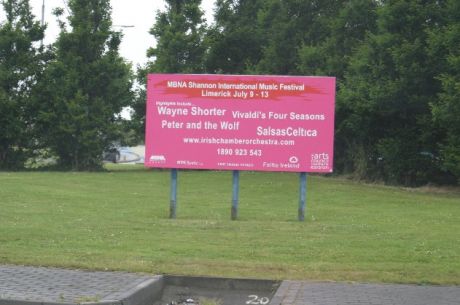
{"x": 235, "y": 194}
{"x": 302, "y": 196}
{"x": 173, "y": 203}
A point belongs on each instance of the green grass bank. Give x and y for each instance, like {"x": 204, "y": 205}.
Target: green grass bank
{"x": 118, "y": 220}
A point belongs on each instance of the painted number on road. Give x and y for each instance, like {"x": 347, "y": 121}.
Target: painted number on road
{"x": 256, "y": 300}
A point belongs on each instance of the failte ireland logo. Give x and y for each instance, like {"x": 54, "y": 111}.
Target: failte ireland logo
{"x": 320, "y": 160}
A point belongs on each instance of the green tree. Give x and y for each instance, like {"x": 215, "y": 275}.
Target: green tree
{"x": 444, "y": 45}
{"x": 291, "y": 25}
{"x": 20, "y": 66}
{"x": 235, "y": 40}
{"x": 345, "y": 28}
{"x": 84, "y": 88}
{"x": 179, "y": 32}
{"x": 386, "y": 97}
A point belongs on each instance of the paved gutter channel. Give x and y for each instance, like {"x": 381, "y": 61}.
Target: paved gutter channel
{"x": 220, "y": 290}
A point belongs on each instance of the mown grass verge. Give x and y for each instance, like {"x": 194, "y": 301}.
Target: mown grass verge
{"x": 118, "y": 220}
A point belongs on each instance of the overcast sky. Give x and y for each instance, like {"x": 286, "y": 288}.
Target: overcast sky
{"x": 138, "y": 13}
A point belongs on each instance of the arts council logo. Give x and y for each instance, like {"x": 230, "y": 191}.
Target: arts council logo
{"x": 319, "y": 161}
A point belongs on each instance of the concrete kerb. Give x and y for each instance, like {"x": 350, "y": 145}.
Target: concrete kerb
{"x": 144, "y": 293}
{"x": 221, "y": 283}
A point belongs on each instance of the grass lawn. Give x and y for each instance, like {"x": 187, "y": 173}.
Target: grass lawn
{"x": 118, "y": 220}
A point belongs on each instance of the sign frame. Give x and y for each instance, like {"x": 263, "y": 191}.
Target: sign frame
{"x": 266, "y": 123}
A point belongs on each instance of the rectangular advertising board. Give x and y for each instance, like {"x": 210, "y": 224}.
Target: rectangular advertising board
{"x": 234, "y": 122}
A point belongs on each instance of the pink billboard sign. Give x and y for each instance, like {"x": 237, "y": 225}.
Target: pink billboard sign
{"x": 230, "y": 122}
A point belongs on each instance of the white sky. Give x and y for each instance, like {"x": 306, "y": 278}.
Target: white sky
{"x": 139, "y": 13}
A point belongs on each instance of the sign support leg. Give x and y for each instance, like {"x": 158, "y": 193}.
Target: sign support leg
{"x": 302, "y": 196}
{"x": 173, "y": 202}
{"x": 235, "y": 194}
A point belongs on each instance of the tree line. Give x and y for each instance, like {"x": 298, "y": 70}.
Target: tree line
{"x": 61, "y": 101}
{"x": 397, "y": 65}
